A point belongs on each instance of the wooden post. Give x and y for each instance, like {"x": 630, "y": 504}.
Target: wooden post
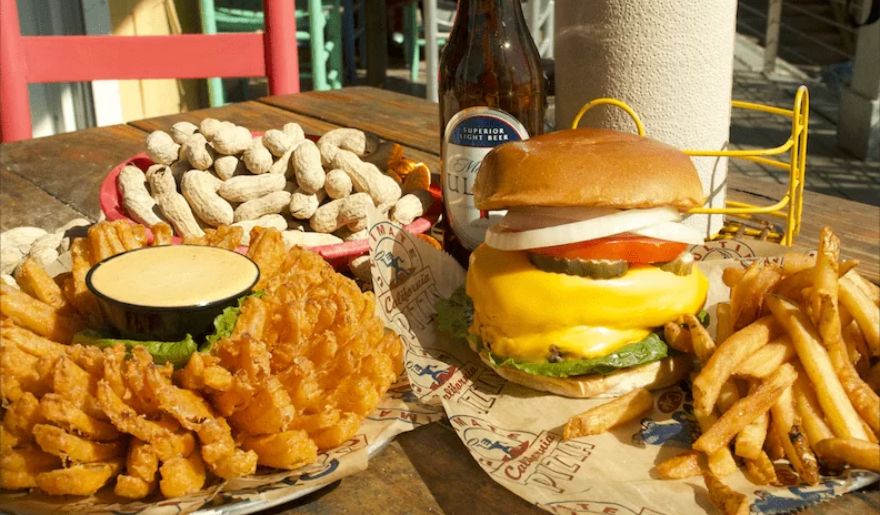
{"x": 771, "y": 40}
{"x": 860, "y": 101}
{"x": 377, "y": 44}
{"x": 432, "y": 52}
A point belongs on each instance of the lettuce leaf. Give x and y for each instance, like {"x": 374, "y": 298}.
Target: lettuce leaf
{"x": 224, "y": 323}
{"x": 454, "y": 315}
{"x": 652, "y": 348}
{"x": 177, "y": 353}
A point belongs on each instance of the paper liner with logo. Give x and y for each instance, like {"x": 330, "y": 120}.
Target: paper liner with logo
{"x": 400, "y": 411}
{"x": 514, "y": 433}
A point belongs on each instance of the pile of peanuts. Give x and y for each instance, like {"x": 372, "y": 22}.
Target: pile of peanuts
{"x": 218, "y": 173}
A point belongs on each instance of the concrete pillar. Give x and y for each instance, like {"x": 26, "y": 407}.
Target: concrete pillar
{"x": 858, "y": 128}
{"x": 672, "y": 61}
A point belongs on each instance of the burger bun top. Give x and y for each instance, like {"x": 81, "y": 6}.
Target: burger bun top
{"x": 587, "y": 167}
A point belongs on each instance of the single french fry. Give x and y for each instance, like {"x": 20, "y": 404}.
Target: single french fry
{"x": 702, "y": 343}
{"x": 139, "y": 232}
{"x": 842, "y": 417}
{"x": 729, "y": 501}
{"x": 808, "y": 409}
{"x": 750, "y": 440}
{"x": 731, "y": 276}
{"x": 760, "y": 470}
{"x": 704, "y": 347}
{"x": 126, "y": 235}
{"x": 857, "y": 453}
{"x": 773, "y": 446}
{"x": 846, "y": 266}
{"x": 872, "y": 437}
{"x": 726, "y": 358}
{"x": 602, "y": 418}
{"x": 103, "y": 242}
{"x": 723, "y": 322}
{"x": 871, "y": 290}
{"x": 728, "y": 396}
{"x": 229, "y": 237}
{"x": 794, "y": 262}
{"x": 686, "y": 464}
{"x": 865, "y": 312}
{"x": 747, "y": 297}
{"x": 162, "y": 234}
{"x": 767, "y": 359}
{"x": 873, "y": 377}
{"x": 825, "y": 276}
{"x": 746, "y": 410}
{"x": 677, "y": 338}
{"x": 34, "y": 280}
{"x": 793, "y": 442}
{"x": 856, "y": 348}
{"x": 865, "y": 400}
{"x": 721, "y": 462}
{"x": 37, "y": 316}
{"x": 267, "y": 251}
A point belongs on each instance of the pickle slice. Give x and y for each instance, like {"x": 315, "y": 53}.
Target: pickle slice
{"x": 592, "y": 268}
{"x": 682, "y": 265}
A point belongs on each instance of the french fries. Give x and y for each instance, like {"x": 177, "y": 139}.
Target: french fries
{"x": 858, "y": 453}
{"x": 686, "y": 464}
{"x": 746, "y": 410}
{"x": 37, "y": 316}
{"x": 863, "y": 311}
{"x": 865, "y": 400}
{"x": 760, "y": 470}
{"x": 35, "y": 281}
{"x": 767, "y": 359}
{"x": 809, "y": 411}
{"x": 803, "y": 338}
{"x": 727, "y": 357}
{"x": 602, "y": 418}
{"x": 750, "y": 440}
{"x": 726, "y": 499}
{"x": 842, "y": 417}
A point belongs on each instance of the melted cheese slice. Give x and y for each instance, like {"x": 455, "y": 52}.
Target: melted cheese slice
{"x": 521, "y": 311}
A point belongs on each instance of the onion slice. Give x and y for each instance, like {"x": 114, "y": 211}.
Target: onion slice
{"x": 672, "y": 231}
{"x": 599, "y": 227}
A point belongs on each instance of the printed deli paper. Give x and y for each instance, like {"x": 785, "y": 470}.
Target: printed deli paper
{"x": 514, "y": 433}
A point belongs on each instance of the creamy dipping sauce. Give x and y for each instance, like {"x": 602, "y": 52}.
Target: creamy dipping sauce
{"x": 174, "y": 276}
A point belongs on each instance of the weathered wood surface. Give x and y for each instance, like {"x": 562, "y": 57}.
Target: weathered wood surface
{"x": 48, "y": 181}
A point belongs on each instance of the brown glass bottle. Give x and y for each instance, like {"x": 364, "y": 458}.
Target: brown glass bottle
{"x": 491, "y": 91}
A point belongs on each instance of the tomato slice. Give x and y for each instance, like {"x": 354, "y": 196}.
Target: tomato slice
{"x": 628, "y": 247}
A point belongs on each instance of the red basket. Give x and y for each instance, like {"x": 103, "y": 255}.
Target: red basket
{"x": 337, "y": 255}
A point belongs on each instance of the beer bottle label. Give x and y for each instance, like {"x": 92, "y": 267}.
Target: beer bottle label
{"x": 470, "y": 135}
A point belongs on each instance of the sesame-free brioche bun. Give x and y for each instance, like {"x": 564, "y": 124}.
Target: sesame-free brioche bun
{"x": 587, "y": 167}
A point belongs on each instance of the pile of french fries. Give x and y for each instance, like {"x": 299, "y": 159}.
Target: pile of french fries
{"x": 795, "y": 376}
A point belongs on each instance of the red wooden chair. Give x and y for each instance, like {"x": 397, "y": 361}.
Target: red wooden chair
{"x": 29, "y": 59}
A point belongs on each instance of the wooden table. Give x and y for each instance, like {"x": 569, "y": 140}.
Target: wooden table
{"x": 47, "y": 181}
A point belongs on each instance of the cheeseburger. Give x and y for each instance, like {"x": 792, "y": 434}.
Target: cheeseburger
{"x": 572, "y": 285}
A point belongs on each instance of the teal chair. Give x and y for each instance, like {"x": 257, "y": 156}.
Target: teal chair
{"x": 318, "y": 26}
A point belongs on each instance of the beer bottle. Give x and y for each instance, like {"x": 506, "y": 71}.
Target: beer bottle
{"x": 491, "y": 91}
